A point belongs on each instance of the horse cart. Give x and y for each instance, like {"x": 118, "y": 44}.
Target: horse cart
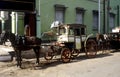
{"x": 71, "y": 40}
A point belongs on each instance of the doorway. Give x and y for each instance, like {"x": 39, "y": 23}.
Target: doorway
{"x": 30, "y": 19}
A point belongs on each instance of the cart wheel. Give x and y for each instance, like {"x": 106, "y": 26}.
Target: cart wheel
{"x": 91, "y": 48}
{"x": 75, "y": 53}
{"x": 66, "y": 55}
{"x": 48, "y": 55}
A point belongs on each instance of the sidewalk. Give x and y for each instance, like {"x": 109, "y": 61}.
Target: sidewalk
{"x": 4, "y": 50}
{"x": 6, "y": 53}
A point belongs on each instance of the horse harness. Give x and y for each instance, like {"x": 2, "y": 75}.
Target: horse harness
{"x": 20, "y": 40}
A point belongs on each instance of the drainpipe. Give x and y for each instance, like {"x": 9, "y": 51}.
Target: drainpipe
{"x": 108, "y": 10}
{"x": 16, "y": 15}
{"x": 99, "y": 17}
{"x": 118, "y": 15}
{"x": 104, "y": 27}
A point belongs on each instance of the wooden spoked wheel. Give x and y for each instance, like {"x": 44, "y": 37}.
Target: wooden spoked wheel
{"x": 66, "y": 55}
{"x": 75, "y": 53}
{"x": 48, "y": 55}
{"x": 91, "y": 48}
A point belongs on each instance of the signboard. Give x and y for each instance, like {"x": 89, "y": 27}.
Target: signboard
{"x": 17, "y": 5}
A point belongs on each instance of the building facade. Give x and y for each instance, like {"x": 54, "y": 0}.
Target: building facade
{"x": 99, "y": 16}
{"x": 85, "y": 12}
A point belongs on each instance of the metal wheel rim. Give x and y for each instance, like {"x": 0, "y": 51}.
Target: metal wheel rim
{"x": 48, "y": 55}
{"x": 66, "y": 55}
{"x": 75, "y": 53}
{"x": 91, "y": 48}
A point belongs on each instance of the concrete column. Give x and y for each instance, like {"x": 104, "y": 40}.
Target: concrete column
{"x": 38, "y": 22}
{"x": 3, "y": 26}
{"x": 3, "y": 18}
{"x": 13, "y": 24}
{"x": 17, "y": 22}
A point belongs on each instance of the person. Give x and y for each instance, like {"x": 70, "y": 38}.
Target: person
{"x": 27, "y": 30}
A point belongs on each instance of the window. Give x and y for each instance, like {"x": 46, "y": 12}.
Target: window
{"x": 95, "y": 20}
{"x": 77, "y": 32}
{"x": 82, "y": 31}
{"x": 62, "y": 31}
{"x": 79, "y": 15}
{"x": 59, "y": 13}
{"x": 112, "y": 20}
{"x": 71, "y": 31}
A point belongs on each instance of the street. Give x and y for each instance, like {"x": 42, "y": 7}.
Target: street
{"x": 104, "y": 65}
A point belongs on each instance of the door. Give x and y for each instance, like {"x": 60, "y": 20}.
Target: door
{"x": 30, "y": 19}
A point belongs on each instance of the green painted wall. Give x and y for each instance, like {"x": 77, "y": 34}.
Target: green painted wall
{"x": 46, "y": 12}
{"x": 21, "y": 24}
{"x": 113, "y": 6}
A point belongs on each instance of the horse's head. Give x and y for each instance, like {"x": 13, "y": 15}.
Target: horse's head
{"x": 6, "y": 35}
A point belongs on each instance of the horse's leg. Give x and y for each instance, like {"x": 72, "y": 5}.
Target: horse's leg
{"x": 38, "y": 55}
{"x": 19, "y": 59}
{"x": 36, "y": 50}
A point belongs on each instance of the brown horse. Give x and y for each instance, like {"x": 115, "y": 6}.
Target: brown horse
{"x": 103, "y": 42}
{"x": 22, "y": 43}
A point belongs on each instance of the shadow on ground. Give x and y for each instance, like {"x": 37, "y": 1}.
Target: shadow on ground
{"x": 30, "y": 63}
{"x": 57, "y": 61}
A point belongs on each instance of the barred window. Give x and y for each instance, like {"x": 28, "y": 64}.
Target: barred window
{"x": 95, "y": 20}
{"x": 111, "y": 20}
{"x": 60, "y": 13}
{"x": 80, "y": 15}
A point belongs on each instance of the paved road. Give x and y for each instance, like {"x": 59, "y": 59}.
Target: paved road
{"x": 104, "y": 65}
